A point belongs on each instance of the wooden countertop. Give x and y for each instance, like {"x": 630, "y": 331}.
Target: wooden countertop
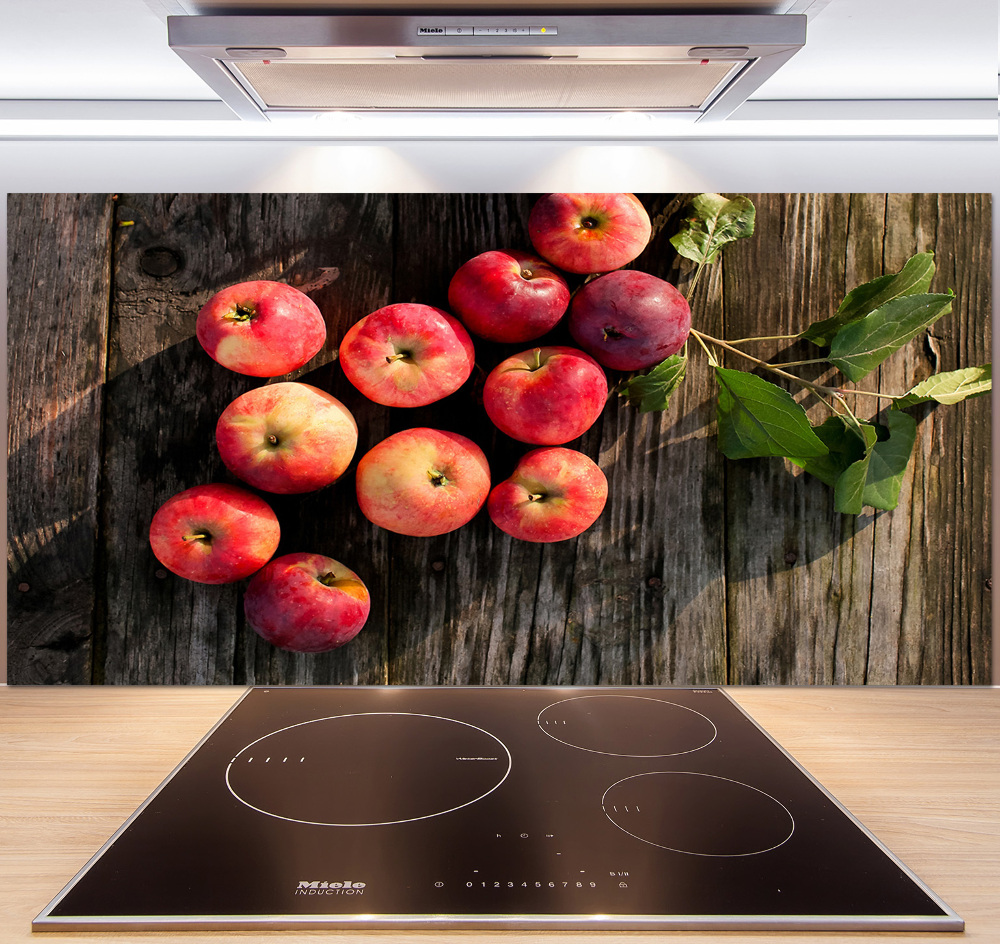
{"x": 920, "y": 767}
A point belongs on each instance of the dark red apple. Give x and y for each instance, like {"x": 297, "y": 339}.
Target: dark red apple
{"x": 629, "y": 320}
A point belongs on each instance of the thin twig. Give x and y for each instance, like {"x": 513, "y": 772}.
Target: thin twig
{"x": 772, "y": 337}
{"x": 819, "y": 390}
{"x": 811, "y": 360}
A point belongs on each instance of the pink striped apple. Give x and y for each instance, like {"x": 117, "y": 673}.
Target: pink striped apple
{"x": 306, "y": 603}
{"x": 214, "y": 533}
{"x": 422, "y": 482}
{"x": 407, "y": 355}
{"x": 508, "y": 296}
{"x": 261, "y": 328}
{"x": 287, "y": 437}
{"x": 553, "y": 494}
{"x": 589, "y": 232}
{"x": 546, "y": 395}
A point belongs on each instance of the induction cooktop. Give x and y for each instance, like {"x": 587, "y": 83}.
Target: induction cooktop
{"x": 439, "y": 807}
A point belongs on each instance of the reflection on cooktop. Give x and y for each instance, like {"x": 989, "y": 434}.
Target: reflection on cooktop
{"x": 428, "y": 808}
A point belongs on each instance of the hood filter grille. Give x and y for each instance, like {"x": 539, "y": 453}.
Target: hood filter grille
{"x": 484, "y": 83}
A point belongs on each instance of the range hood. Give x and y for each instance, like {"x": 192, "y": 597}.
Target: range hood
{"x": 273, "y": 66}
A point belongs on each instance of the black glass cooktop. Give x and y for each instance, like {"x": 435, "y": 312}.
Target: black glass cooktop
{"x": 576, "y": 808}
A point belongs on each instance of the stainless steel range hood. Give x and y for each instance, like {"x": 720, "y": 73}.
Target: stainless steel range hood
{"x": 272, "y": 66}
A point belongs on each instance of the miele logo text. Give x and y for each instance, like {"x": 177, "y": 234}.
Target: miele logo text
{"x": 330, "y": 888}
{"x": 425, "y": 30}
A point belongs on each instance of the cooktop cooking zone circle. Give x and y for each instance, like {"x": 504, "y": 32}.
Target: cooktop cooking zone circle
{"x": 627, "y": 726}
{"x": 370, "y": 769}
{"x": 696, "y": 813}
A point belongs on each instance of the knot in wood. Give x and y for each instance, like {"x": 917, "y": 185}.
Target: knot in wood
{"x": 160, "y": 262}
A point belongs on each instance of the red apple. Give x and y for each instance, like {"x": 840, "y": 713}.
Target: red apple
{"x": 306, "y": 603}
{"x": 508, "y": 296}
{"x": 589, "y": 232}
{"x": 546, "y": 395}
{"x": 407, "y": 354}
{"x": 422, "y": 482}
{"x": 264, "y": 329}
{"x": 214, "y": 533}
{"x": 629, "y": 320}
{"x": 287, "y": 438}
{"x": 554, "y": 494}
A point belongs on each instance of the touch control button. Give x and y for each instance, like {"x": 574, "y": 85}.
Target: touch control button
{"x": 459, "y": 31}
{"x": 503, "y": 30}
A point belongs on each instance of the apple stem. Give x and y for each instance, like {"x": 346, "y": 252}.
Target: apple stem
{"x": 242, "y": 313}
{"x": 538, "y": 358}
{"x": 272, "y": 440}
{"x": 527, "y": 274}
{"x": 202, "y": 536}
{"x": 437, "y": 478}
{"x": 329, "y": 579}
{"x": 534, "y": 496}
{"x": 391, "y": 358}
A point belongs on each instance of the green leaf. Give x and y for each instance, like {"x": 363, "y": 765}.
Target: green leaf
{"x": 652, "y": 390}
{"x": 846, "y": 442}
{"x": 757, "y": 418}
{"x": 861, "y": 346}
{"x": 950, "y": 387}
{"x": 889, "y": 458}
{"x": 716, "y": 222}
{"x": 913, "y": 279}
{"x": 849, "y": 489}
{"x": 875, "y": 478}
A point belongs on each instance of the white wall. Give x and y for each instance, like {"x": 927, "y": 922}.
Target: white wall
{"x": 489, "y": 166}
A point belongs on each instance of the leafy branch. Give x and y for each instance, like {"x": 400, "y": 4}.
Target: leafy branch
{"x": 862, "y": 461}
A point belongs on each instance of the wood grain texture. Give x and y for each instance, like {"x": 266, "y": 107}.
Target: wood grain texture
{"x": 917, "y": 766}
{"x": 701, "y": 570}
{"x": 59, "y": 276}
{"x": 164, "y": 396}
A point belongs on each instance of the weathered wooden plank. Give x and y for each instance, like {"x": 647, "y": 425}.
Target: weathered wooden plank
{"x": 933, "y": 550}
{"x": 459, "y": 600}
{"x": 648, "y": 599}
{"x": 798, "y": 574}
{"x": 638, "y": 598}
{"x": 165, "y": 395}
{"x": 877, "y": 602}
{"x": 58, "y": 272}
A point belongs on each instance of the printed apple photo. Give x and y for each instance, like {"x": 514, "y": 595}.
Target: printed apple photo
{"x": 489, "y": 439}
